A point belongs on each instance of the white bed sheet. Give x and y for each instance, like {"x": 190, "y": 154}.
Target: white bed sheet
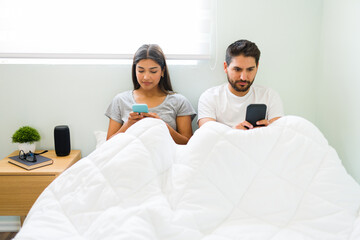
{"x": 279, "y": 182}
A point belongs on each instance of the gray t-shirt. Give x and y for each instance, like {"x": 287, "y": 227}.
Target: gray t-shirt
{"x": 174, "y": 105}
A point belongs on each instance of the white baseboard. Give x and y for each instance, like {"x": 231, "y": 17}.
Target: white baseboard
{"x": 10, "y": 226}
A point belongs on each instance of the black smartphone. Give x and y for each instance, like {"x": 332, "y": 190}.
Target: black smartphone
{"x": 254, "y": 113}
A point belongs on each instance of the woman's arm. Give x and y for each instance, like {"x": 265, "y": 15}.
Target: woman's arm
{"x": 184, "y": 127}
{"x": 113, "y": 128}
{"x": 116, "y": 127}
{"x": 181, "y": 136}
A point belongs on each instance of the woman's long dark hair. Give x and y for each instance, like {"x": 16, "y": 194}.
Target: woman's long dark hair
{"x": 153, "y": 52}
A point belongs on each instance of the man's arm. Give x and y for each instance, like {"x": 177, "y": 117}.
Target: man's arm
{"x": 204, "y": 120}
{"x": 273, "y": 119}
{"x": 206, "y": 108}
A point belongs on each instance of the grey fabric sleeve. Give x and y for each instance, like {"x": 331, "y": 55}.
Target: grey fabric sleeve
{"x": 120, "y": 107}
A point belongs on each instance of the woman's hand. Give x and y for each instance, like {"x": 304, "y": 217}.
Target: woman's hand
{"x": 152, "y": 115}
{"x": 134, "y": 117}
{"x": 115, "y": 127}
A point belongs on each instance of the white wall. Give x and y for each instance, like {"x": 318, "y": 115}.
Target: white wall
{"x": 337, "y": 91}
{"x": 44, "y": 96}
{"x": 307, "y": 56}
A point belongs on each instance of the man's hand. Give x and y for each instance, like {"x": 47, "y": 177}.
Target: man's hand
{"x": 245, "y": 125}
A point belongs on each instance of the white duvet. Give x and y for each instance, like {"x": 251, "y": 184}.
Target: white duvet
{"x": 279, "y": 182}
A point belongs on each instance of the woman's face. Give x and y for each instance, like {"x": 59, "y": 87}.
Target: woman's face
{"x": 148, "y": 74}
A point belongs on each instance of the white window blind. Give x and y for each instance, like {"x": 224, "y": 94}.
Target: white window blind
{"x": 110, "y": 29}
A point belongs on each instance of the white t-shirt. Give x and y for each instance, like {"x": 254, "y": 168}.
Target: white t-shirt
{"x": 225, "y": 107}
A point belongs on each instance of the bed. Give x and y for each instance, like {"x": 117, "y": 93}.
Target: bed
{"x": 279, "y": 182}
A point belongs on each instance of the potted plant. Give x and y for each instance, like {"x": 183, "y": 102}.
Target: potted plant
{"x": 26, "y": 137}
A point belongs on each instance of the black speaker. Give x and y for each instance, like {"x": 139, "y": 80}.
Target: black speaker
{"x": 62, "y": 140}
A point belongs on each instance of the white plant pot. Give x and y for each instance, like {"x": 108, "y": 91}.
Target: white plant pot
{"x": 27, "y": 147}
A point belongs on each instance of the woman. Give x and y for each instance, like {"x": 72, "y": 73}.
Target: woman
{"x": 152, "y": 86}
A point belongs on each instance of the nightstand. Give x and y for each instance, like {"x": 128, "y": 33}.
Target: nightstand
{"x": 19, "y": 188}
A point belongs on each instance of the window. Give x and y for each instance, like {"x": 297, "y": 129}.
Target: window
{"x": 110, "y": 29}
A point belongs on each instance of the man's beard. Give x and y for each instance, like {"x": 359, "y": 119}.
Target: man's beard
{"x": 242, "y": 89}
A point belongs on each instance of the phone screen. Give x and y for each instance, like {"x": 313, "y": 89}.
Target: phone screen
{"x": 140, "y": 108}
{"x": 254, "y": 113}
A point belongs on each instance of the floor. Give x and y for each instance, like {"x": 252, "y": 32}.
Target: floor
{"x": 7, "y": 235}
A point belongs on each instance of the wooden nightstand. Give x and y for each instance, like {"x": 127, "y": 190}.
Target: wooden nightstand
{"x": 19, "y": 188}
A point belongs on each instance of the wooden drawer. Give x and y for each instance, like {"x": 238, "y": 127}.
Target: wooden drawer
{"x": 18, "y": 193}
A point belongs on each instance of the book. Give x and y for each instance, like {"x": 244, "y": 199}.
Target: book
{"x": 41, "y": 161}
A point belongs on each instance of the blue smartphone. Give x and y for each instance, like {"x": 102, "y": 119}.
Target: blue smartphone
{"x": 140, "y": 108}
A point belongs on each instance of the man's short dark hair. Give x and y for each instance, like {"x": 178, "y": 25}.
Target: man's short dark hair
{"x": 242, "y": 47}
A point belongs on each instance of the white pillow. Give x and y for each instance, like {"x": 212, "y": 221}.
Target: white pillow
{"x": 100, "y": 137}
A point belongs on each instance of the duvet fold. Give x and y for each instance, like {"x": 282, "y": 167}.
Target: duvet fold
{"x": 283, "y": 181}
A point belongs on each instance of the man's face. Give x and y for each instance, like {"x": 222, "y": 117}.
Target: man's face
{"x": 241, "y": 74}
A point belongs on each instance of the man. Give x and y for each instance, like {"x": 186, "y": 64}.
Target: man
{"x": 227, "y": 103}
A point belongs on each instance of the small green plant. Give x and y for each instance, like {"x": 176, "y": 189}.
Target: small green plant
{"x": 26, "y": 134}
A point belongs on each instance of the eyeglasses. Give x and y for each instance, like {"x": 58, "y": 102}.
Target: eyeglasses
{"x": 30, "y": 156}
